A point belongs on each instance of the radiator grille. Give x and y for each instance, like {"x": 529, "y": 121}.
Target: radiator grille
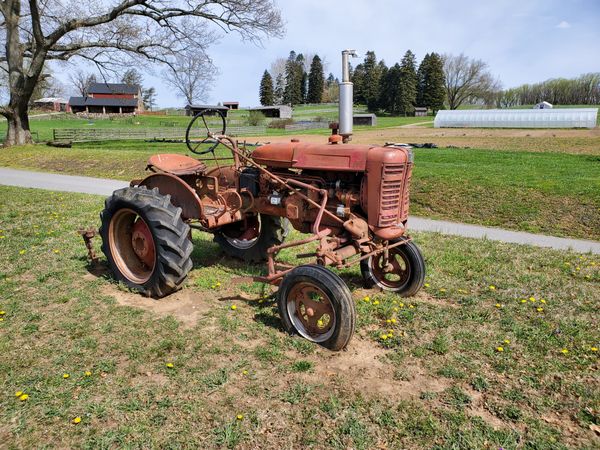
{"x": 390, "y": 200}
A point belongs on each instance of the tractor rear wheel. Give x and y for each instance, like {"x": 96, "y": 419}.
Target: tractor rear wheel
{"x": 316, "y": 304}
{"x": 249, "y": 240}
{"x": 404, "y": 274}
{"x": 145, "y": 241}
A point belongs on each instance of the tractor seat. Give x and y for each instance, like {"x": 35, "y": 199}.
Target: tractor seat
{"x": 176, "y": 164}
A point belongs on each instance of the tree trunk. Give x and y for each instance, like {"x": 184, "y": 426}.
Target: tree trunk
{"x": 18, "y": 127}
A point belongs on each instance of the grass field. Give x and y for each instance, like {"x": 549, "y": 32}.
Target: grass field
{"x": 543, "y": 192}
{"x": 80, "y": 346}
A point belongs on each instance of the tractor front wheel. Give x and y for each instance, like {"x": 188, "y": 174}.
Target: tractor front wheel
{"x": 403, "y": 273}
{"x": 316, "y": 304}
{"x": 145, "y": 241}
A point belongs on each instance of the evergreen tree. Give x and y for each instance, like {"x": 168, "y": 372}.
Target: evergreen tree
{"x": 266, "y": 89}
{"x": 149, "y": 98}
{"x": 422, "y": 77}
{"x": 391, "y": 95}
{"x": 370, "y": 84}
{"x": 302, "y": 77}
{"x": 279, "y": 89}
{"x": 292, "y": 93}
{"x": 315, "y": 81}
{"x": 434, "y": 92}
{"x": 408, "y": 83}
{"x": 358, "y": 79}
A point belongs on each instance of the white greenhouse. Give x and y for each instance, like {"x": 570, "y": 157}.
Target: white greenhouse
{"x": 517, "y": 118}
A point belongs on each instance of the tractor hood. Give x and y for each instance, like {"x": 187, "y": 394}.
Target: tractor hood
{"x": 342, "y": 157}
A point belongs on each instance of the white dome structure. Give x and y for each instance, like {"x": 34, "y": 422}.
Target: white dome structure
{"x": 517, "y": 118}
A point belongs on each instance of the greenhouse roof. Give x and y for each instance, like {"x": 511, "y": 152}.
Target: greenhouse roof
{"x": 517, "y": 118}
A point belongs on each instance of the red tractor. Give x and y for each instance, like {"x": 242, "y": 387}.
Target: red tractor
{"x": 351, "y": 199}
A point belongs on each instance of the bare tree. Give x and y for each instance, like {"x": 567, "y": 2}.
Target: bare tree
{"x": 191, "y": 75}
{"x": 468, "y": 80}
{"x": 81, "y": 81}
{"x": 109, "y": 34}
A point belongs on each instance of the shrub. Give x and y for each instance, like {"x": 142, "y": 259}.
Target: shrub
{"x": 280, "y": 123}
{"x": 256, "y": 118}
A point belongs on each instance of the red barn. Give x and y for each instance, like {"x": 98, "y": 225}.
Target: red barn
{"x": 109, "y": 98}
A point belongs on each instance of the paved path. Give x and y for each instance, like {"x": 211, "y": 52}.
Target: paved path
{"x": 105, "y": 187}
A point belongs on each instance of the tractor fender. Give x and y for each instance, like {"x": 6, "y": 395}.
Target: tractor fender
{"x": 182, "y": 194}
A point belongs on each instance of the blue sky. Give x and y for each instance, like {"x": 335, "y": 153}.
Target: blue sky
{"x": 523, "y": 41}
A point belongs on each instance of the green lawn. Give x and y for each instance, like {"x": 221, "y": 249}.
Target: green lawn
{"x": 440, "y": 380}
{"x": 551, "y": 193}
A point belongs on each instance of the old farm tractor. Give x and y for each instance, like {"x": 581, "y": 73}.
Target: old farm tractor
{"x": 351, "y": 199}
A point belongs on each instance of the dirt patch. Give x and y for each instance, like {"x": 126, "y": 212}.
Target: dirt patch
{"x": 362, "y": 367}
{"x": 565, "y": 141}
{"x": 186, "y": 306}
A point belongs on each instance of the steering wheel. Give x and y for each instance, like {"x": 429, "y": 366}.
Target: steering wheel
{"x": 206, "y": 124}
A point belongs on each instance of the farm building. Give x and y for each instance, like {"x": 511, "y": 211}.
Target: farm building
{"x": 55, "y": 104}
{"x": 517, "y": 118}
{"x": 109, "y": 98}
{"x": 364, "y": 119}
{"x": 232, "y": 105}
{"x": 420, "y": 111}
{"x": 543, "y": 105}
{"x": 192, "y": 110}
{"x": 277, "y": 111}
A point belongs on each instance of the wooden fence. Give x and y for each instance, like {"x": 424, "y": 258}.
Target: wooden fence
{"x": 123, "y": 134}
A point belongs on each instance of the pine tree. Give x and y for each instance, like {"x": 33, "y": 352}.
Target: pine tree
{"x": 292, "y": 93}
{"x": 266, "y": 89}
{"x": 434, "y": 92}
{"x": 422, "y": 78}
{"x": 302, "y": 78}
{"x": 279, "y": 89}
{"x": 408, "y": 83}
{"x": 315, "y": 81}
{"x": 391, "y": 95}
{"x": 358, "y": 79}
{"x": 372, "y": 75}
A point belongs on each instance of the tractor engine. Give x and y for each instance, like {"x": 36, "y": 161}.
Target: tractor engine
{"x": 361, "y": 181}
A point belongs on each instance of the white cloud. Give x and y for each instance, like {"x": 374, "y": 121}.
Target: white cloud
{"x": 564, "y": 24}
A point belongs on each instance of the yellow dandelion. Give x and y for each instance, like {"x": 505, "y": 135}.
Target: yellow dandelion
{"x": 2, "y": 313}
{"x": 390, "y": 335}
{"x": 2, "y": 237}
{"x": 506, "y": 341}
{"x": 233, "y": 307}
{"x": 244, "y": 372}
{"x": 22, "y": 252}
{"x": 523, "y": 301}
{"x": 567, "y": 264}
{"x": 23, "y": 397}
{"x": 383, "y": 337}
{"x": 577, "y": 269}
{"x": 500, "y": 349}
{"x": 388, "y": 321}
{"x": 411, "y": 306}
{"x": 376, "y": 302}
{"x": 76, "y": 420}
{"x": 442, "y": 289}
{"x": 396, "y": 309}
{"x": 66, "y": 375}
{"x": 367, "y": 298}
{"x": 401, "y": 305}
{"x": 540, "y": 309}
{"x": 588, "y": 277}
{"x": 532, "y": 299}
{"x": 218, "y": 284}
{"x": 498, "y": 305}
{"x": 393, "y": 320}
{"x": 426, "y": 285}
{"x": 564, "y": 351}
{"x": 18, "y": 393}
{"x": 260, "y": 301}
{"x": 492, "y": 287}
{"x": 240, "y": 417}
{"x": 87, "y": 373}
{"x": 542, "y": 300}
{"x": 56, "y": 250}
{"x": 170, "y": 365}
{"x": 594, "y": 349}
{"x": 214, "y": 286}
